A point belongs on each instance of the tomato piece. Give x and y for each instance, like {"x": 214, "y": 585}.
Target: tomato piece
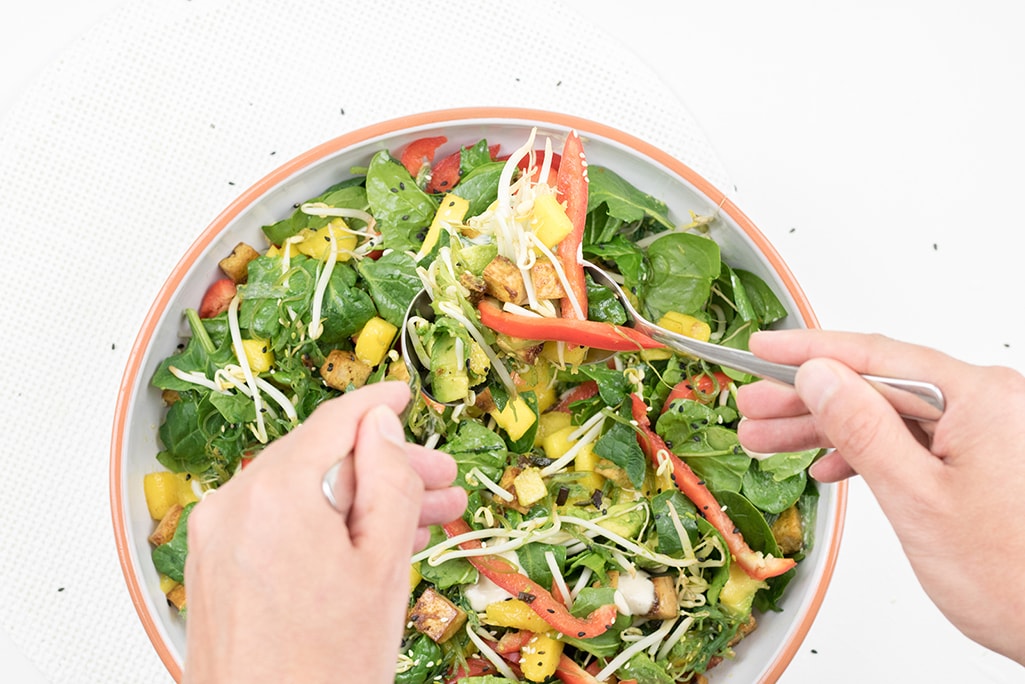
{"x": 584, "y": 390}
{"x": 756, "y": 564}
{"x": 445, "y": 174}
{"x": 420, "y": 152}
{"x": 571, "y": 187}
{"x": 699, "y": 388}
{"x": 217, "y": 298}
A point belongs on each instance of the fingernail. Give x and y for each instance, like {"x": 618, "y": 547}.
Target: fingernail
{"x": 817, "y": 382}
{"x": 387, "y": 425}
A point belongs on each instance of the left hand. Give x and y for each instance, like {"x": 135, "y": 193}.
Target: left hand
{"x": 283, "y": 587}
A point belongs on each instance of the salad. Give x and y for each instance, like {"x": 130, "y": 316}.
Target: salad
{"x": 616, "y": 530}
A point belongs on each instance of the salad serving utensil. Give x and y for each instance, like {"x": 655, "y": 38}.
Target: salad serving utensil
{"x": 913, "y": 399}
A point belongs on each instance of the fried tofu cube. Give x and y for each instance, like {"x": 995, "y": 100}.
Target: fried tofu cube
{"x": 397, "y": 370}
{"x": 176, "y": 597}
{"x": 167, "y": 526}
{"x": 436, "y": 616}
{"x": 236, "y": 264}
{"x": 504, "y": 281}
{"x": 530, "y": 487}
{"x": 546, "y": 280}
{"x": 508, "y": 483}
{"x": 787, "y": 531}
{"x": 342, "y": 369}
{"x": 666, "y": 604}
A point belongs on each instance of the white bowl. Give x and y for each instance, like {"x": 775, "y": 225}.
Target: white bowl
{"x": 762, "y": 657}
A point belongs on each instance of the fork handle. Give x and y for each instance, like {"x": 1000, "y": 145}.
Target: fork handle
{"x": 913, "y": 399}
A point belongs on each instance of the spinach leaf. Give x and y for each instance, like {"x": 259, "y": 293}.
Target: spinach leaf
{"x": 476, "y": 446}
{"x": 643, "y": 670}
{"x": 758, "y": 535}
{"x": 712, "y": 451}
{"x": 532, "y": 558}
{"x": 619, "y": 445}
{"x": 603, "y": 305}
{"x": 169, "y": 558}
{"x": 401, "y": 208}
{"x": 348, "y": 194}
{"x": 767, "y": 307}
{"x": 787, "y": 464}
{"x": 392, "y": 282}
{"x": 448, "y": 573}
{"x": 621, "y": 254}
{"x": 624, "y": 201}
{"x": 683, "y": 268}
{"x": 346, "y": 308}
{"x": 770, "y": 494}
{"x": 669, "y": 541}
{"x": 427, "y": 661}
{"x": 480, "y": 187}
{"x": 613, "y": 387}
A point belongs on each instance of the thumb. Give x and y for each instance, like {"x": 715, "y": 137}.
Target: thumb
{"x": 863, "y": 427}
{"x": 389, "y": 493}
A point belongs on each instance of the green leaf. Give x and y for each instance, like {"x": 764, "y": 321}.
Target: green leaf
{"x": 476, "y": 446}
{"x": 349, "y": 194}
{"x": 769, "y": 494}
{"x": 480, "y": 187}
{"x": 624, "y": 201}
{"x": 532, "y": 559}
{"x": 392, "y": 283}
{"x": 401, "y": 208}
{"x": 767, "y": 307}
{"x": 619, "y": 445}
{"x": 683, "y": 268}
{"x": 169, "y": 558}
{"x": 603, "y": 305}
{"x": 713, "y": 452}
{"x": 669, "y": 541}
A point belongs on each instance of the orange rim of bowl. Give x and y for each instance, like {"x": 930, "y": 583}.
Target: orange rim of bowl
{"x": 129, "y": 380}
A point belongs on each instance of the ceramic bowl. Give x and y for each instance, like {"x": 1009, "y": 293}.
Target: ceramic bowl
{"x": 761, "y": 658}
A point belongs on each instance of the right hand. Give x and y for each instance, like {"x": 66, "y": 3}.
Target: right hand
{"x": 954, "y": 490}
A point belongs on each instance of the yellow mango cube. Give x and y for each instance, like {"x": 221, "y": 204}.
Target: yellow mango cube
{"x": 259, "y": 355}
{"x": 167, "y": 584}
{"x": 374, "y": 341}
{"x": 540, "y": 656}
{"x": 414, "y": 575}
{"x": 587, "y": 462}
{"x": 516, "y": 614}
{"x": 563, "y": 355}
{"x": 550, "y": 423}
{"x": 548, "y": 221}
{"x": 538, "y": 379}
{"x": 686, "y": 325}
{"x": 164, "y": 489}
{"x": 530, "y": 487}
{"x": 450, "y": 212}
{"x": 516, "y": 418}
{"x": 317, "y": 243}
{"x": 558, "y": 443}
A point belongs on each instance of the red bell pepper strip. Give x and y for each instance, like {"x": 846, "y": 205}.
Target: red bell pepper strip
{"x": 596, "y": 334}
{"x": 508, "y": 577}
{"x": 420, "y": 152}
{"x": 699, "y": 388}
{"x": 571, "y": 188}
{"x": 475, "y": 667}
{"x": 755, "y": 563}
{"x": 569, "y": 672}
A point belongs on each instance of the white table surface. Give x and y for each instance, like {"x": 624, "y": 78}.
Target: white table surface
{"x": 880, "y": 147}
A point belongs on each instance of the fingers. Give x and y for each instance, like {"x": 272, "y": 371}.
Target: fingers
{"x": 435, "y": 468}
{"x": 330, "y": 431}
{"x": 867, "y": 432}
{"x": 388, "y": 494}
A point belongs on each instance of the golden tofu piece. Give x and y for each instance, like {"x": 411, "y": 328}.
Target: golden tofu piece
{"x": 176, "y": 597}
{"x": 546, "y": 280}
{"x": 436, "y": 616}
{"x": 342, "y": 368}
{"x": 787, "y": 531}
{"x": 167, "y": 526}
{"x": 666, "y": 604}
{"x": 504, "y": 282}
{"x": 236, "y": 264}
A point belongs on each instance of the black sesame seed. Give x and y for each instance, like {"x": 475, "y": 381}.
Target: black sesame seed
{"x": 580, "y": 634}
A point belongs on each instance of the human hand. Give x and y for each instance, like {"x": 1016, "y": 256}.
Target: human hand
{"x": 283, "y": 587}
{"x": 951, "y": 490}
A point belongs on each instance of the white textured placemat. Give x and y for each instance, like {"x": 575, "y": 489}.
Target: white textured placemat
{"x": 129, "y": 145}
